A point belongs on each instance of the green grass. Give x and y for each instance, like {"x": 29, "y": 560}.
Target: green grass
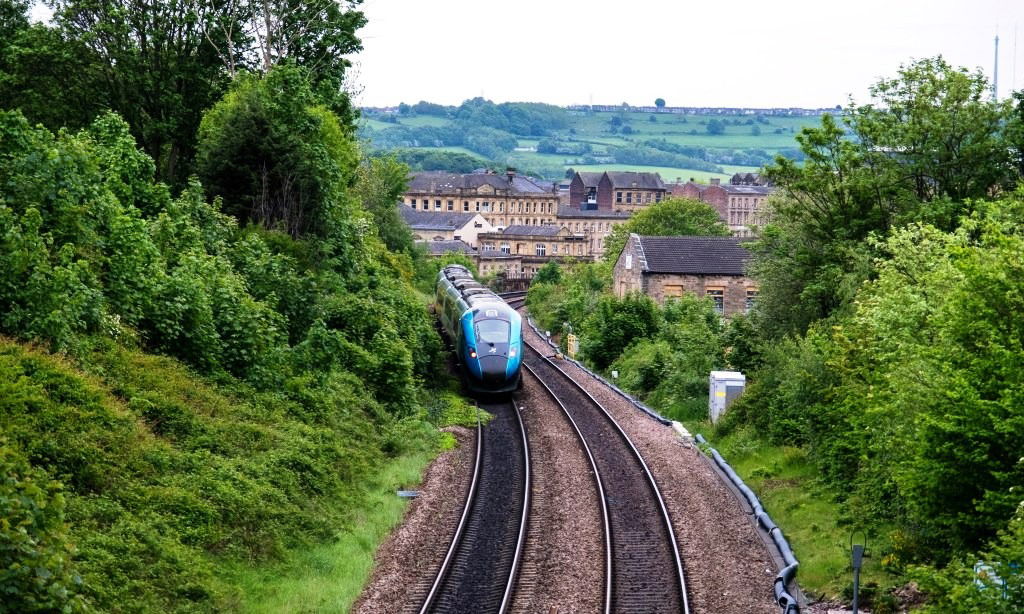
{"x": 668, "y": 174}
{"x": 785, "y": 480}
{"x": 329, "y": 578}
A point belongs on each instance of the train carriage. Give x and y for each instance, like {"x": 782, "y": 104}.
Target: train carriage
{"x": 486, "y": 332}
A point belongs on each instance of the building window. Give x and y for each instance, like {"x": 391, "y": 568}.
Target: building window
{"x": 629, "y": 198}
{"x": 505, "y": 249}
{"x": 673, "y": 291}
{"x": 437, "y": 204}
{"x": 717, "y": 296}
{"x": 451, "y": 205}
{"x": 751, "y": 299}
{"x": 554, "y": 248}
{"x": 618, "y": 197}
{"x": 657, "y": 197}
{"x": 486, "y": 207}
{"x": 413, "y": 202}
{"x": 541, "y": 250}
{"x": 465, "y": 205}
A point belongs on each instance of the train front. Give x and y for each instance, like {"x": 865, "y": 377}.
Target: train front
{"x": 493, "y": 347}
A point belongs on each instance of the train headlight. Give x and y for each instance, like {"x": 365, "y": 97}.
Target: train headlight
{"x": 472, "y": 352}
{"x": 511, "y": 352}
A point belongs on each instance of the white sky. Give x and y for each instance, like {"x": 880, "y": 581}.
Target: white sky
{"x": 803, "y": 53}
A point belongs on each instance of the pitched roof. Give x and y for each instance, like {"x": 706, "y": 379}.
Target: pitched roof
{"x": 590, "y": 179}
{"x": 436, "y": 248}
{"x": 544, "y": 230}
{"x": 694, "y": 255}
{"x": 434, "y": 220}
{"x": 441, "y": 182}
{"x": 569, "y": 211}
{"x": 627, "y": 179}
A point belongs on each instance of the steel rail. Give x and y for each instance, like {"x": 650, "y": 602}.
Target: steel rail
{"x": 600, "y": 491}
{"x": 636, "y": 453}
{"x": 506, "y": 599}
{"x": 443, "y": 571}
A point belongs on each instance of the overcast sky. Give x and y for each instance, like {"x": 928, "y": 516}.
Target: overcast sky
{"x": 802, "y": 53}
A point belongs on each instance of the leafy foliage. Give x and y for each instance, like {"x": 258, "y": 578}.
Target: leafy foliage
{"x": 670, "y": 217}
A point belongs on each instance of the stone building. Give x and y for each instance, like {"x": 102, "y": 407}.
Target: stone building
{"x": 503, "y": 200}
{"x": 445, "y": 225}
{"x": 665, "y": 267}
{"x": 536, "y": 245}
{"x": 741, "y": 203}
{"x": 594, "y": 224}
{"x": 615, "y": 190}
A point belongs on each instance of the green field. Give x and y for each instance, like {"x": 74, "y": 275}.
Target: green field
{"x": 768, "y": 137}
{"x": 669, "y": 175}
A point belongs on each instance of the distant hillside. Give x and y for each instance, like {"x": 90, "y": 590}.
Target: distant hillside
{"x": 547, "y": 140}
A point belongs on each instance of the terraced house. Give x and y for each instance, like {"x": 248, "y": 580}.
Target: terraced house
{"x": 741, "y": 203}
{"x": 503, "y": 200}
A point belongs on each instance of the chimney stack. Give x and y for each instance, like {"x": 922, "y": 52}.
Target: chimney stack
{"x": 715, "y": 181}
{"x": 510, "y": 173}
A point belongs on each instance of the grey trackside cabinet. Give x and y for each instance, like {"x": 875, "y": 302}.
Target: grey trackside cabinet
{"x": 725, "y": 386}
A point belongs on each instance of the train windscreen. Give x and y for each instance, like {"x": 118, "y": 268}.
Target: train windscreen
{"x": 492, "y": 331}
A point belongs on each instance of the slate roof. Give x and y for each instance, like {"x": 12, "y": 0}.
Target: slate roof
{"x": 590, "y": 179}
{"x": 493, "y": 254}
{"x": 437, "y": 248}
{"x": 434, "y": 220}
{"x": 568, "y": 211}
{"x": 694, "y": 255}
{"x": 753, "y": 190}
{"x": 645, "y": 181}
{"x": 544, "y": 230}
{"x": 440, "y": 182}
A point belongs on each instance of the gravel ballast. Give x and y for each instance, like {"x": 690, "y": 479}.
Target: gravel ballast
{"x": 563, "y": 562}
{"x": 728, "y": 568}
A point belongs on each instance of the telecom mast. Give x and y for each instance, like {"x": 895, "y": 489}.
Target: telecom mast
{"x": 995, "y": 73}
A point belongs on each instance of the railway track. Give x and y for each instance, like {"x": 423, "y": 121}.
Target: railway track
{"x": 479, "y": 571}
{"x": 644, "y": 570}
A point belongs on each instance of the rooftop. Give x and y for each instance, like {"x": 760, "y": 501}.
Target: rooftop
{"x": 441, "y": 182}
{"x": 544, "y": 230}
{"x": 569, "y": 211}
{"x": 434, "y": 220}
{"x": 437, "y": 248}
{"x": 694, "y": 255}
{"x": 633, "y": 179}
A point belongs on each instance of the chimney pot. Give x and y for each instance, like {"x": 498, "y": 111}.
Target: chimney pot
{"x": 716, "y": 181}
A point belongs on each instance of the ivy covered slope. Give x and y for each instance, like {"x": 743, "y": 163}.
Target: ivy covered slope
{"x": 178, "y": 390}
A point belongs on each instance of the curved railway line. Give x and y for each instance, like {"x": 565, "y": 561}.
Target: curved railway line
{"x": 479, "y": 571}
{"x": 644, "y": 571}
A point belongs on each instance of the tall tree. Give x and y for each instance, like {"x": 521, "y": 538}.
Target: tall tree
{"x": 155, "y": 66}
{"x": 924, "y": 149}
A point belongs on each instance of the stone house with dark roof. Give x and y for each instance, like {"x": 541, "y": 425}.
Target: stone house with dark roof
{"x": 615, "y": 190}
{"x": 444, "y": 225}
{"x": 666, "y": 267}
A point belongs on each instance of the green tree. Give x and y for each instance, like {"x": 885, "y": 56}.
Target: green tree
{"x": 155, "y": 65}
{"x": 672, "y": 216}
{"x": 276, "y": 157}
{"x": 550, "y": 273}
{"x": 715, "y": 127}
{"x": 659, "y": 102}
{"x": 380, "y": 183}
{"x": 928, "y": 144}
{"x": 615, "y": 324}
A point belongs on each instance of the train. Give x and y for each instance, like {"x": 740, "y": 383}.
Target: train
{"x": 486, "y": 332}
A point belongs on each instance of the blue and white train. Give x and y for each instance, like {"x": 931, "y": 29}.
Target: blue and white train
{"x": 486, "y": 332}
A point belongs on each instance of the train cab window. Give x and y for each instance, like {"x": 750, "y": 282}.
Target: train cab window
{"x": 492, "y": 331}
